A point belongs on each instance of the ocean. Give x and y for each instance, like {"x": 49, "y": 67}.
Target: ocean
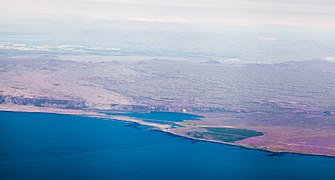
{"x": 53, "y": 146}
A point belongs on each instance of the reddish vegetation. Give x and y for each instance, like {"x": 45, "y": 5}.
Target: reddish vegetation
{"x": 311, "y": 133}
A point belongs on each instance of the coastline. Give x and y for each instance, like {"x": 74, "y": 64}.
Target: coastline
{"x": 159, "y": 127}
{"x": 245, "y": 146}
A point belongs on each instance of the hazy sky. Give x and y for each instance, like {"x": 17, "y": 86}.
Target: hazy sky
{"x": 244, "y": 12}
{"x": 251, "y": 30}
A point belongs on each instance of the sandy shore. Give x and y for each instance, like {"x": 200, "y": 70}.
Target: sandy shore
{"x": 16, "y": 108}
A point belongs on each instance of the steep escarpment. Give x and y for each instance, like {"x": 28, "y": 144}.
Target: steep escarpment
{"x": 42, "y": 102}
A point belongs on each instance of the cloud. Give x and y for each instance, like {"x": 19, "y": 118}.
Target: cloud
{"x": 160, "y": 20}
{"x": 59, "y": 48}
{"x": 233, "y": 61}
{"x": 330, "y": 58}
{"x": 245, "y": 12}
{"x": 267, "y": 38}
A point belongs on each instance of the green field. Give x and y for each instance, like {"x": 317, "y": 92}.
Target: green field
{"x": 225, "y": 134}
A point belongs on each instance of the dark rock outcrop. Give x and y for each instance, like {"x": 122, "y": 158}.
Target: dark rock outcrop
{"x": 327, "y": 113}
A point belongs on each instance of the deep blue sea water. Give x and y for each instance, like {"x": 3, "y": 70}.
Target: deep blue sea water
{"x": 51, "y": 146}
